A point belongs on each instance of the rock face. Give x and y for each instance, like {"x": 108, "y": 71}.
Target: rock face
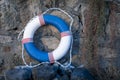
{"x": 96, "y": 33}
{"x": 44, "y": 72}
{"x": 81, "y": 74}
{"x": 48, "y": 72}
{"x": 52, "y": 41}
{"x": 5, "y": 39}
{"x": 2, "y": 78}
{"x": 19, "y": 74}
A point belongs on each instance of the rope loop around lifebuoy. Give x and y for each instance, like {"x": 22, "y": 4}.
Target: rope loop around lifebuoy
{"x": 64, "y": 32}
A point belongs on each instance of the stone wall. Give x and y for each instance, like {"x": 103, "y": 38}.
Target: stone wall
{"x": 96, "y": 32}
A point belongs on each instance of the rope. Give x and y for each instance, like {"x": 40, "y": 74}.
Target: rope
{"x": 21, "y": 32}
{"x": 72, "y": 20}
{"x": 5, "y": 76}
{"x": 23, "y": 56}
{"x": 64, "y": 66}
{"x": 71, "y": 23}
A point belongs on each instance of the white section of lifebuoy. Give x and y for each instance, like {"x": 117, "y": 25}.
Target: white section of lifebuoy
{"x": 31, "y": 27}
{"x": 65, "y": 42}
{"x": 63, "y": 47}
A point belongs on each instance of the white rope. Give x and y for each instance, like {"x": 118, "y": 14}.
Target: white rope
{"x": 5, "y": 76}
{"x": 64, "y": 66}
{"x": 23, "y": 56}
{"x": 29, "y": 66}
{"x": 21, "y": 32}
{"x": 71, "y": 23}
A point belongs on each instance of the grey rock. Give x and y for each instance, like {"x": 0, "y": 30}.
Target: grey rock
{"x": 5, "y": 39}
{"x": 19, "y": 74}
{"x": 2, "y": 78}
{"x": 14, "y": 15}
{"x": 1, "y": 62}
{"x": 81, "y": 74}
{"x": 64, "y": 77}
{"x": 72, "y": 4}
{"x": 50, "y": 42}
{"x": 63, "y": 74}
{"x": 44, "y": 72}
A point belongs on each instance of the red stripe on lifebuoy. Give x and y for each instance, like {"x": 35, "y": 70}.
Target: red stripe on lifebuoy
{"x": 51, "y": 58}
{"x": 26, "y": 40}
{"x": 67, "y": 33}
{"x": 41, "y": 19}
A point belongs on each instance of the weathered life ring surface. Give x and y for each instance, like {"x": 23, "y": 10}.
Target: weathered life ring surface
{"x": 62, "y": 48}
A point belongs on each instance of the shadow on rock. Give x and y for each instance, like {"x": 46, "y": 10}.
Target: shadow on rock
{"x": 81, "y": 74}
{"x": 19, "y": 74}
{"x": 44, "y": 72}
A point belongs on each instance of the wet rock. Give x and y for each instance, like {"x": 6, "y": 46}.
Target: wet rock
{"x": 63, "y": 74}
{"x": 64, "y": 77}
{"x": 5, "y": 39}
{"x": 81, "y": 74}
{"x": 1, "y": 62}
{"x": 2, "y": 78}
{"x": 19, "y": 74}
{"x": 44, "y": 72}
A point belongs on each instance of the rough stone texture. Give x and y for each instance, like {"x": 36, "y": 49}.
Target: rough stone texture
{"x": 47, "y": 72}
{"x": 19, "y": 74}
{"x": 5, "y": 39}
{"x": 100, "y": 30}
{"x": 96, "y": 33}
{"x": 2, "y": 78}
{"x": 1, "y": 62}
{"x": 63, "y": 74}
{"x": 44, "y": 72}
{"x": 81, "y": 74}
{"x": 50, "y": 42}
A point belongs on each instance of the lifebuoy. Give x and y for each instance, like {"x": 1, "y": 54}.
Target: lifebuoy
{"x": 33, "y": 25}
